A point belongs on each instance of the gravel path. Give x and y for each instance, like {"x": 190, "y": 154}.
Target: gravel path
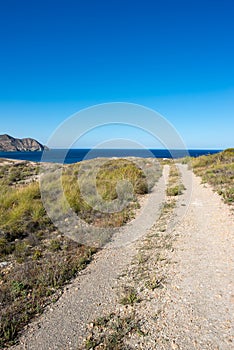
{"x": 196, "y": 305}
{"x": 92, "y": 294}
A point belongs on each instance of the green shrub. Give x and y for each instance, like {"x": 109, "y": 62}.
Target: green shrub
{"x": 175, "y": 191}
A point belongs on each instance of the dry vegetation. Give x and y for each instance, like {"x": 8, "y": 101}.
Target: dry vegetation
{"x": 218, "y": 171}
{"x": 175, "y": 186}
{"x": 109, "y": 175}
{"x": 35, "y": 259}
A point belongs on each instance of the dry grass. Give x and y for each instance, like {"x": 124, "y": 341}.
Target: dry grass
{"x": 118, "y": 329}
{"x": 34, "y": 282}
{"x": 112, "y": 177}
{"x": 175, "y": 186}
{"x": 218, "y": 171}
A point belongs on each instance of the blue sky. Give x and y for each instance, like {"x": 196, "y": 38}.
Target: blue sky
{"x": 177, "y": 57}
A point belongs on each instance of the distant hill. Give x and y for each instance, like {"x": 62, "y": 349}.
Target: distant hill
{"x": 11, "y": 144}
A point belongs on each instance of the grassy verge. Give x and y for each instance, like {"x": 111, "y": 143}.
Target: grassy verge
{"x": 36, "y": 260}
{"x": 218, "y": 171}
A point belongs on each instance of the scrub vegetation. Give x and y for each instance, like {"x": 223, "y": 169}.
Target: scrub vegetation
{"x": 218, "y": 171}
{"x": 36, "y": 260}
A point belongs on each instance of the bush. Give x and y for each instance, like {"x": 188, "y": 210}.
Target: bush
{"x": 175, "y": 191}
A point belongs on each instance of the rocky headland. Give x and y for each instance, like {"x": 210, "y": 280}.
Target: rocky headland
{"x": 11, "y": 144}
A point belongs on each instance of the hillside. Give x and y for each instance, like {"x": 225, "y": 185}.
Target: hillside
{"x": 11, "y": 144}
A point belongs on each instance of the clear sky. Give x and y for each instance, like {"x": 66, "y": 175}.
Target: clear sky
{"x": 175, "y": 56}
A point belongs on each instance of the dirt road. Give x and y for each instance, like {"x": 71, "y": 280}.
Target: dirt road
{"x": 196, "y": 305}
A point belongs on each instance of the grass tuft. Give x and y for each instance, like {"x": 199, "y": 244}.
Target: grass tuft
{"x": 130, "y": 296}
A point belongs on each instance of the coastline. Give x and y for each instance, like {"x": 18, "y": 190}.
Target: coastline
{"x": 76, "y": 155}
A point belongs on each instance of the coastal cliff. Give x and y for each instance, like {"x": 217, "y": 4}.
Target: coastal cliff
{"x": 11, "y": 144}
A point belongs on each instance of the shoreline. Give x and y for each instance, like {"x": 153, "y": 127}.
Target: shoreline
{"x": 71, "y": 156}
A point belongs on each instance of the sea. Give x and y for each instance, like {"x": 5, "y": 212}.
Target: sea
{"x": 77, "y": 155}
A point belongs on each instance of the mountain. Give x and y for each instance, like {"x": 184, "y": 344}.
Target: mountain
{"x": 11, "y": 144}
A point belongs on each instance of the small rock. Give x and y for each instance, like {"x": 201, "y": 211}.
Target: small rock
{"x": 4, "y": 263}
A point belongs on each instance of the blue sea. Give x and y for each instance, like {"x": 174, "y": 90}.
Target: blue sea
{"x": 77, "y": 155}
